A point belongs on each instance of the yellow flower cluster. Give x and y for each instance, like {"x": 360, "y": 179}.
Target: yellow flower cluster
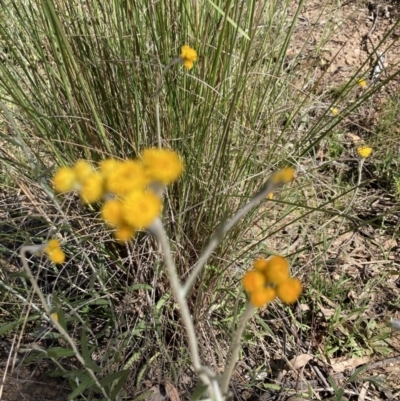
{"x": 54, "y": 252}
{"x": 188, "y": 56}
{"x": 130, "y": 204}
{"x": 270, "y": 279}
{"x": 364, "y": 151}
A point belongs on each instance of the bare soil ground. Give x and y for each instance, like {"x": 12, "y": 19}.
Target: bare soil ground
{"x": 29, "y": 383}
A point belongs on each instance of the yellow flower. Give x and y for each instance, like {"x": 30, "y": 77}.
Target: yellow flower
{"x": 188, "y": 56}
{"x": 253, "y": 281}
{"x": 124, "y": 233}
{"x": 277, "y": 270}
{"x": 54, "y": 252}
{"x": 162, "y": 165}
{"x": 362, "y": 82}
{"x": 364, "y": 151}
{"x": 65, "y": 179}
{"x": 289, "y": 291}
{"x": 140, "y": 208}
{"x": 92, "y": 188}
{"x": 270, "y": 195}
{"x": 283, "y": 176}
{"x": 82, "y": 170}
{"x": 53, "y": 244}
{"x": 262, "y": 296}
{"x": 125, "y": 177}
{"x": 260, "y": 265}
{"x": 335, "y": 111}
{"x": 57, "y": 256}
{"x": 107, "y": 166}
{"x": 111, "y": 212}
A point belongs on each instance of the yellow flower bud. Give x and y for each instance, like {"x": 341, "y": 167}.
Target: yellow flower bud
{"x": 277, "y": 270}
{"x": 188, "y": 56}
{"x": 262, "y": 296}
{"x": 253, "y": 281}
{"x": 260, "y": 265}
{"x": 364, "y": 151}
{"x": 65, "y": 179}
{"x": 289, "y": 291}
{"x": 284, "y": 176}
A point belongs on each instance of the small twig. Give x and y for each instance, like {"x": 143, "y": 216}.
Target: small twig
{"x": 321, "y": 376}
{"x": 383, "y": 363}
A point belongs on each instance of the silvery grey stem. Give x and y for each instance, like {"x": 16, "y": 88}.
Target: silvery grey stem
{"x": 205, "y": 374}
{"x": 233, "y": 353}
{"x": 223, "y": 228}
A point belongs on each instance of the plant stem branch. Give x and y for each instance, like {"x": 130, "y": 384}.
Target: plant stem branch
{"x": 205, "y": 374}
{"x": 233, "y": 353}
{"x": 223, "y": 228}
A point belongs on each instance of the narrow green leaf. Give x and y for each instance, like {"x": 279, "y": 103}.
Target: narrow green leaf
{"x": 272, "y": 386}
{"x": 360, "y": 370}
{"x": 230, "y": 20}
{"x": 162, "y": 300}
{"x": 136, "y": 287}
{"x": 114, "y": 382}
{"x": 59, "y": 352}
{"x": 88, "y": 382}
{"x": 117, "y": 388}
{"x": 87, "y": 354}
{"x": 10, "y": 326}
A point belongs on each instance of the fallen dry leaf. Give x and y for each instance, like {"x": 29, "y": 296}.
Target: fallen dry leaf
{"x": 299, "y": 361}
{"x": 339, "y": 365}
{"x": 325, "y": 311}
{"x": 172, "y": 392}
{"x": 304, "y": 307}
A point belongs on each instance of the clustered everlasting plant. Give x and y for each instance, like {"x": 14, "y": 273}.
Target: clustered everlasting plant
{"x": 131, "y": 188}
{"x": 269, "y": 279}
{"x": 88, "y": 79}
{"x": 131, "y": 192}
